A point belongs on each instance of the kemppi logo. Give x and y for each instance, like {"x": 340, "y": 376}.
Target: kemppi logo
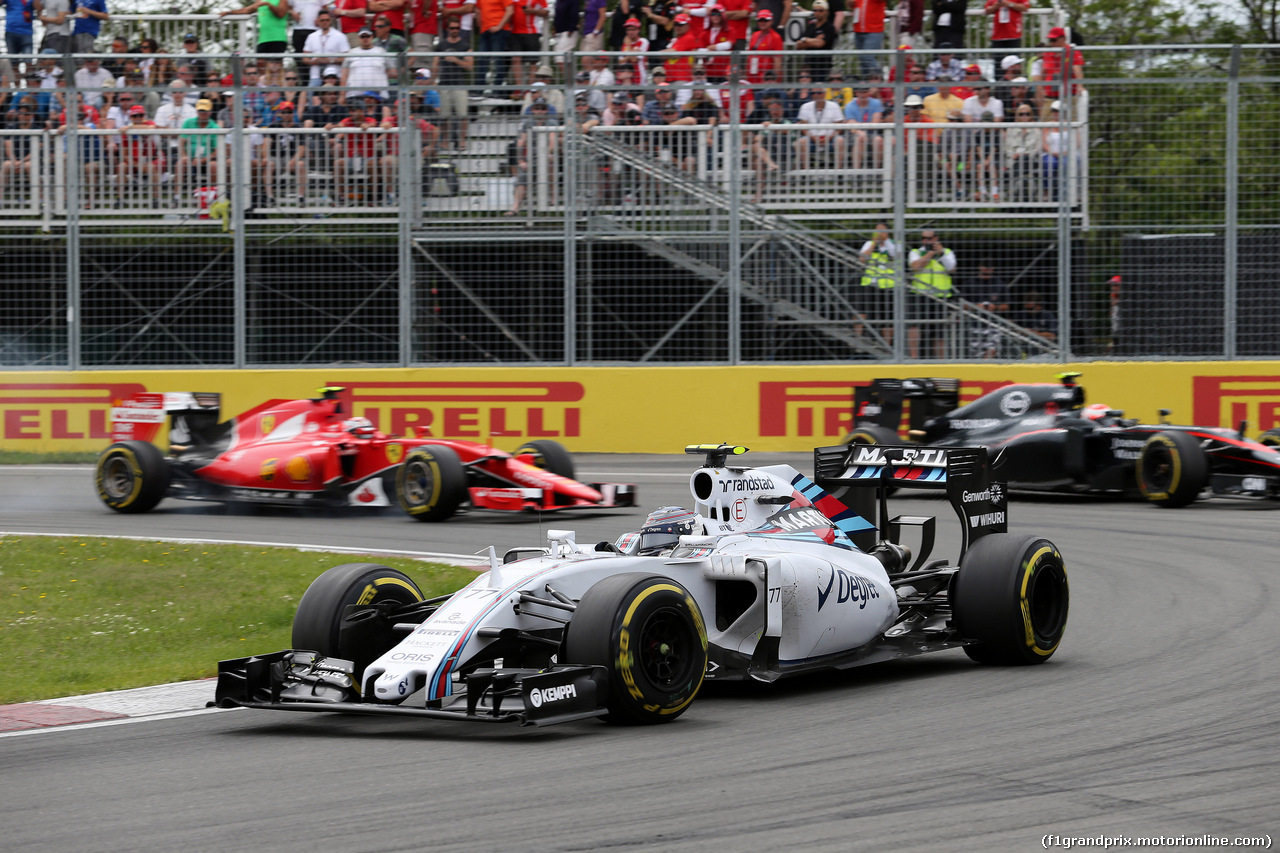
{"x": 40, "y": 411}
{"x": 825, "y": 408}
{"x": 1227, "y": 400}
{"x": 480, "y": 410}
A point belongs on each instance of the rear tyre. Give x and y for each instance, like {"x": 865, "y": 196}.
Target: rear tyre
{"x": 317, "y": 625}
{"x": 1271, "y": 438}
{"x": 871, "y": 434}
{"x": 1172, "y": 469}
{"x": 647, "y": 631}
{"x": 131, "y": 476}
{"x": 1011, "y": 599}
{"x": 549, "y": 456}
{"x": 431, "y": 483}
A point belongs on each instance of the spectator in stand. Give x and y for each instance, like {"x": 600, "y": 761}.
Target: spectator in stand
{"x": 617, "y": 23}
{"x": 172, "y": 116}
{"x": 385, "y": 36}
{"x": 325, "y": 49}
{"x": 273, "y": 24}
{"x": 677, "y": 146}
{"x": 772, "y": 90}
{"x": 701, "y": 107}
{"x": 542, "y": 88}
{"x": 393, "y": 11}
{"x": 365, "y": 67}
{"x": 765, "y": 39}
{"x": 185, "y": 78}
{"x": 819, "y": 40}
{"x": 156, "y": 70}
{"x": 424, "y": 28}
{"x": 202, "y": 73}
{"x": 680, "y": 69}
{"x": 254, "y": 101}
{"x": 1035, "y": 317}
{"x": 16, "y": 148}
{"x": 462, "y": 11}
{"x": 198, "y": 150}
{"x": 917, "y": 85}
{"x": 635, "y": 46}
{"x": 660, "y": 15}
{"x": 565, "y": 24}
{"x": 323, "y": 114}
{"x": 286, "y": 152}
{"x": 943, "y": 105}
{"x": 56, "y": 17}
{"x": 89, "y": 17}
{"x": 617, "y": 110}
{"x": 452, "y": 70}
{"x": 881, "y": 92}
{"x": 719, "y": 41}
{"x": 625, "y": 76}
{"x": 1022, "y": 149}
{"x": 945, "y": 67}
{"x": 1051, "y": 71}
{"x": 868, "y": 31}
{"x": 594, "y": 17}
{"x": 984, "y": 144}
{"x": 864, "y": 109}
{"x": 352, "y": 17}
{"x": 770, "y": 149}
{"x": 1052, "y": 147}
{"x": 91, "y": 76}
{"x": 654, "y": 108}
{"x": 1006, "y": 26}
{"x": 737, "y": 20}
{"x": 355, "y": 156}
{"x": 302, "y": 14}
{"x": 140, "y": 159}
{"x": 820, "y": 111}
{"x": 924, "y": 140}
{"x": 539, "y": 114}
{"x": 684, "y": 93}
{"x": 990, "y": 293}
{"x": 944, "y": 109}
{"x": 91, "y": 164}
{"x": 495, "y": 24}
{"x": 1017, "y": 94}
{"x": 837, "y": 91}
{"x": 527, "y": 21}
{"x": 969, "y": 85}
{"x": 800, "y": 95}
{"x": 1010, "y": 67}
{"x": 948, "y": 25}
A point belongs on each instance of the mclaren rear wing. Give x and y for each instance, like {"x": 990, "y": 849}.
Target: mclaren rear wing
{"x": 963, "y": 472}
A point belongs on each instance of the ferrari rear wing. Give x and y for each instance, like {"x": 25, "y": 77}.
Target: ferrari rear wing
{"x": 141, "y": 416}
{"x": 963, "y": 472}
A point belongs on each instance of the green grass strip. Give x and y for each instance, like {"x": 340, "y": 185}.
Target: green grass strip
{"x": 85, "y": 614}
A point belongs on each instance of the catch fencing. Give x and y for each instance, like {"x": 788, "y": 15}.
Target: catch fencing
{"x": 1138, "y": 220}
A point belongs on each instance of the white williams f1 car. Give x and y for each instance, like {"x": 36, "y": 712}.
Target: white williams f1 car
{"x": 767, "y": 575}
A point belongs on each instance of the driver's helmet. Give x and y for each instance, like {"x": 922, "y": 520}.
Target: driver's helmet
{"x": 664, "y": 527}
{"x": 359, "y": 427}
{"x": 1096, "y": 411}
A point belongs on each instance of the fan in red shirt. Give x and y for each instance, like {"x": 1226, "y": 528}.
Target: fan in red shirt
{"x": 680, "y": 69}
{"x": 720, "y": 42}
{"x": 765, "y": 38}
{"x": 737, "y": 20}
{"x": 1051, "y": 69}
{"x": 140, "y": 153}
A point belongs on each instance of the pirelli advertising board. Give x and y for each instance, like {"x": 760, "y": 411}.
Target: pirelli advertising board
{"x": 620, "y": 409}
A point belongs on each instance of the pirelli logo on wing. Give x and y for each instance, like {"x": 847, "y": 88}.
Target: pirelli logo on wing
{"x": 34, "y": 412}
{"x": 474, "y": 410}
{"x": 1227, "y": 400}
{"x": 825, "y": 409}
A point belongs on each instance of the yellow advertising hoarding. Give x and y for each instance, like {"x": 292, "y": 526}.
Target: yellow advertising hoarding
{"x": 621, "y": 409}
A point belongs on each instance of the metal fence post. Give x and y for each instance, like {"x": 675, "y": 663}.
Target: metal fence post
{"x": 1066, "y": 134}
{"x": 733, "y": 162}
{"x": 235, "y": 192}
{"x": 570, "y": 215}
{"x": 1231, "y": 234}
{"x": 900, "y": 208}
{"x": 72, "y": 140}
{"x": 410, "y": 166}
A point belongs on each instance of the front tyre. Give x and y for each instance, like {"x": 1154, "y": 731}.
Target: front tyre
{"x": 431, "y": 483}
{"x": 131, "y": 476}
{"x": 317, "y": 625}
{"x": 1011, "y": 599}
{"x": 1172, "y": 469}
{"x": 1271, "y": 438}
{"x": 647, "y": 631}
{"x": 549, "y": 456}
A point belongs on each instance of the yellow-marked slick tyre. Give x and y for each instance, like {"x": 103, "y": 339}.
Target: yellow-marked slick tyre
{"x": 647, "y": 631}
{"x": 131, "y": 476}
{"x": 1172, "y": 469}
{"x": 549, "y": 456}
{"x": 1010, "y": 598}
{"x": 1271, "y": 438}
{"x": 431, "y": 483}
{"x": 872, "y": 434}
{"x": 317, "y": 625}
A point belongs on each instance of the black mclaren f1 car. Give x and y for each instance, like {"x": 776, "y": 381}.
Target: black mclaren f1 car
{"x": 1046, "y": 437}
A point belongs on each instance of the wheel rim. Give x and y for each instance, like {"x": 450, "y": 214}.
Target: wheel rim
{"x": 667, "y": 642}
{"x": 1046, "y": 602}
{"x": 1157, "y": 469}
{"x": 418, "y": 483}
{"x": 536, "y": 459}
{"x": 117, "y": 478}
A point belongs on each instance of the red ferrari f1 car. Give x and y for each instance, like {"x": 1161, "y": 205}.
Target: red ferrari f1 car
{"x": 309, "y": 451}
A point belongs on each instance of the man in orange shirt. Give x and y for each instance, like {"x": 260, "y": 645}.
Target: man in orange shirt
{"x": 495, "y": 24}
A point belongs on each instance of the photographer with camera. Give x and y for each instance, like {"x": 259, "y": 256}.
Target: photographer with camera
{"x": 931, "y": 266}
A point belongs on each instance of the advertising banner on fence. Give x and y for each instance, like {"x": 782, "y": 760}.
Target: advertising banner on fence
{"x": 619, "y": 409}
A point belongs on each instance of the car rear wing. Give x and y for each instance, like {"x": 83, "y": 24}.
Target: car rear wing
{"x": 963, "y": 472}
{"x": 141, "y": 416}
{"x": 882, "y": 402}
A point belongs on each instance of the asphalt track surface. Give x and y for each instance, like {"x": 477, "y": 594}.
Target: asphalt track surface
{"x": 1160, "y": 716}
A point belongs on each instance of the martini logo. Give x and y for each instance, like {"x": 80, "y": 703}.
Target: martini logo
{"x": 1227, "y": 400}
{"x": 469, "y": 410}
{"x": 268, "y": 469}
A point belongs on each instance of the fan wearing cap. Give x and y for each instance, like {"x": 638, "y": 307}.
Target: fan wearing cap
{"x": 356, "y": 161}
{"x": 680, "y": 68}
{"x": 635, "y": 46}
{"x": 1051, "y": 70}
{"x": 365, "y": 66}
{"x": 766, "y": 39}
{"x": 945, "y": 67}
{"x": 969, "y": 85}
{"x": 198, "y": 150}
{"x": 719, "y": 42}
{"x": 139, "y": 154}
{"x": 1006, "y": 25}
{"x": 819, "y": 39}
{"x": 201, "y": 71}
{"x": 273, "y": 23}
{"x": 286, "y": 150}
{"x": 543, "y": 77}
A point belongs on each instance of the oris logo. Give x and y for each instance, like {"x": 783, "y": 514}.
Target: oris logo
{"x": 552, "y": 694}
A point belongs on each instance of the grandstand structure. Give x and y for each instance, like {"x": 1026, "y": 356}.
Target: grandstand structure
{"x": 1147, "y": 233}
